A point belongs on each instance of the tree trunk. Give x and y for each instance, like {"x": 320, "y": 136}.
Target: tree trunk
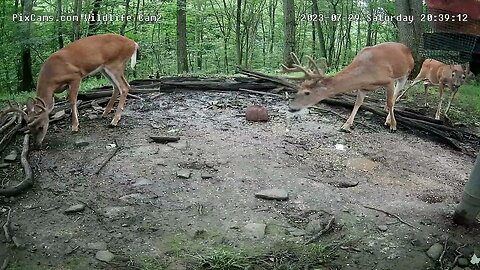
{"x": 182, "y": 61}
{"x": 25, "y": 74}
{"x": 238, "y": 42}
{"x": 321, "y": 39}
{"x": 272, "y": 9}
{"x": 289, "y": 31}
{"x": 125, "y": 20}
{"x": 135, "y": 21}
{"x": 59, "y": 25}
{"x": 93, "y": 23}
{"x": 410, "y": 33}
{"x": 77, "y": 7}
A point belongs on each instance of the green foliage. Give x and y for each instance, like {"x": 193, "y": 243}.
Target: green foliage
{"x": 223, "y": 259}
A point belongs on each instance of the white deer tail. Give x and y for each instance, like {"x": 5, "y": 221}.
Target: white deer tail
{"x": 133, "y": 59}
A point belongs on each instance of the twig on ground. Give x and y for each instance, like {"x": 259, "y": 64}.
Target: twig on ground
{"x": 27, "y": 181}
{"x": 459, "y": 254}
{"x": 259, "y": 92}
{"x": 5, "y": 264}
{"x": 440, "y": 259}
{"x": 115, "y": 150}
{"x": 6, "y": 226}
{"x": 393, "y": 215}
{"x": 322, "y": 232}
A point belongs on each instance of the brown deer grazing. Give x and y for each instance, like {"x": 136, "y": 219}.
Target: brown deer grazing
{"x": 434, "y": 72}
{"x": 107, "y": 53}
{"x": 384, "y": 65}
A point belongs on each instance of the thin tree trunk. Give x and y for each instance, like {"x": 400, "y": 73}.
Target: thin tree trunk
{"x": 25, "y": 74}
{"x": 321, "y": 39}
{"x": 125, "y": 21}
{"x": 289, "y": 31}
{"x": 93, "y": 23}
{"x": 182, "y": 61}
{"x": 238, "y": 42}
{"x": 77, "y": 23}
{"x": 59, "y": 25}
{"x": 135, "y": 21}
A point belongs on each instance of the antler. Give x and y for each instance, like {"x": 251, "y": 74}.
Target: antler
{"x": 313, "y": 71}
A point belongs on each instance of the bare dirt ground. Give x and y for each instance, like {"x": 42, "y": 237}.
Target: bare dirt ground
{"x": 185, "y": 205}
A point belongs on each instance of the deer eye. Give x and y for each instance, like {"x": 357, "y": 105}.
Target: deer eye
{"x": 463, "y": 76}
{"x": 307, "y": 93}
{"x": 453, "y": 74}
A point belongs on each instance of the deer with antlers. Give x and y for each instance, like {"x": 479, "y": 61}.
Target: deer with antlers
{"x": 384, "y": 65}
{"x": 434, "y": 72}
{"x": 107, "y": 53}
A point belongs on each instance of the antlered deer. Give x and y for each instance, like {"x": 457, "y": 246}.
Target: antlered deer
{"x": 434, "y": 72}
{"x": 107, "y": 53}
{"x": 384, "y": 65}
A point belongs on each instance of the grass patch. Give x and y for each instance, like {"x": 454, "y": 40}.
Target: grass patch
{"x": 151, "y": 263}
{"x": 222, "y": 259}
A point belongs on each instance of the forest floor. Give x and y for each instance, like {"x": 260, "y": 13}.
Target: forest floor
{"x": 192, "y": 205}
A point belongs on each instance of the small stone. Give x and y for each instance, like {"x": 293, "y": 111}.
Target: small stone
{"x": 97, "y": 245}
{"x": 463, "y": 262}
{"x": 58, "y": 115}
{"x": 116, "y": 211}
{"x": 184, "y": 173}
{"x": 273, "y": 194}
{"x": 75, "y": 208}
{"x": 92, "y": 116}
{"x": 142, "y": 182}
{"x": 4, "y": 165}
{"x": 104, "y": 256}
{"x": 81, "y": 143}
{"x": 133, "y": 196}
{"x": 297, "y": 232}
{"x": 435, "y": 251}
{"x": 256, "y": 230}
{"x": 206, "y": 176}
{"x": 11, "y": 157}
{"x": 382, "y": 228}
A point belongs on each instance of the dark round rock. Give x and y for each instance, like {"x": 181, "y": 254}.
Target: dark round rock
{"x": 256, "y": 113}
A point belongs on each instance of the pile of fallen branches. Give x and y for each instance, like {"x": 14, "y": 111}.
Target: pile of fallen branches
{"x": 11, "y": 122}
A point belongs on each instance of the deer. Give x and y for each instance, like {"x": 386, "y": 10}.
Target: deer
{"x": 385, "y": 65}
{"x": 436, "y": 73}
{"x": 105, "y": 53}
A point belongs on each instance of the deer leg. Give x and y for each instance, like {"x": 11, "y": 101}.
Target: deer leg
{"x": 72, "y": 97}
{"x": 360, "y": 97}
{"x": 450, "y": 100}
{"x": 390, "y": 120}
{"x": 425, "y": 85}
{"x": 439, "y": 108}
{"x": 115, "y": 93}
{"x": 399, "y": 97}
{"x": 124, "y": 87}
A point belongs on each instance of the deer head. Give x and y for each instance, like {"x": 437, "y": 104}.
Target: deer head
{"x": 37, "y": 119}
{"x": 312, "y": 90}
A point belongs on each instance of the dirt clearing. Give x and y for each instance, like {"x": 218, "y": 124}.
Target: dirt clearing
{"x": 191, "y": 204}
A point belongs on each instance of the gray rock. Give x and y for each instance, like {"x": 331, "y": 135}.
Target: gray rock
{"x": 116, "y": 211}
{"x": 297, "y": 232}
{"x": 132, "y": 197}
{"x": 81, "y": 142}
{"x": 206, "y": 176}
{"x": 273, "y": 194}
{"x": 92, "y": 116}
{"x": 314, "y": 226}
{"x": 142, "y": 182}
{"x": 11, "y": 157}
{"x": 182, "y": 144}
{"x": 256, "y": 230}
{"x": 75, "y": 208}
{"x": 4, "y": 165}
{"x": 97, "y": 245}
{"x": 184, "y": 173}
{"x": 382, "y": 228}
{"x": 104, "y": 256}
{"x": 435, "y": 251}
{"x": 463, "y": 262}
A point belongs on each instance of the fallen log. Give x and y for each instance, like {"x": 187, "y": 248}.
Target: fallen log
{"x": 28, "y": 179}
{"x": 164, "y": 139}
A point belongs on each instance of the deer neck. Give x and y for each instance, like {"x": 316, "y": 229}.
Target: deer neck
{"x": 347, "y": 80}
{"x": 45, "y": 91}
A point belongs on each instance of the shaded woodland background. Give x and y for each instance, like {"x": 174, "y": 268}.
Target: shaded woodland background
{"x": 204, "y": 36}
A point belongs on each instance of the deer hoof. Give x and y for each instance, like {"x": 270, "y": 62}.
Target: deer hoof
{"x": 346, "y": 129}
{"x": 393, "y": 130}
{"x": 75, "y": 129}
